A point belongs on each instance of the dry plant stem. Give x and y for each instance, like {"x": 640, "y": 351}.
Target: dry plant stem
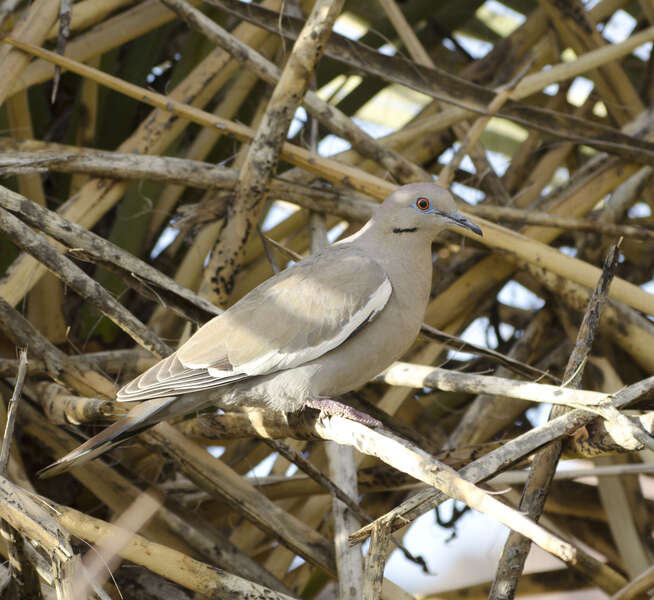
{"x": 472, "y": 293}
{"x": 349, "y": 562}
{"x": 612, "y": 436}
{"x": 544, "y": 464}
{"x": 265, "y": 150}
{"x": 62, "y": 408}
{"x": 104, "y": 558}
{"x": 304, "y": 465}
{"x": 472, "y": 137}
{"x": 513, "y": 477}
{"x": 11, "y": 412}
{"x": 36, "y": 157}
{"x": 629, "y": 329}
{"x": 421, "y": 376}
{"x": 317, "y": 222}
{"x": 45, "y": 303}
{"x": 530, "y": 217}
{"x": 58, "y": 365}
{"x": 112, "y": 362}
{"x": 331, "y": 117}
{"x": 235, "y": 96}
{"x": 32, "y": 29}
{"x": 116, "y": 362}
{"x": 25, "y": 515}
{"x": 217, "y": 548}
{"x": 65, "y": 15}
{"x": 610, "y": 80}
{"x": 559, "y": 581}
{"x": 270, "y": 425}
{"x": 24, "y": 578}
{"x": 360, "y": 57}
{"x": 494, "y": 235}
{"x": 486, "y": 415}
{"x": 467, "y": 98}
{"x": 87, "y": 130}
{"x": 49, "y": 156}
{"x": 16, "y": 471}
{"x": 171, "y": 564}
{"x": 584, "y": 62}
{"x": 637, "y": 587}
{"x": 38, "y": 246}
{"x": 80, "y": 238}
{"x": 550, "y": 258}
{"x": 39, "y": 157}
{"x": 112, "y": 33}
{"x": 586, "y": 187}
{"x": 215, "y": 477}
{"x": 625, "y": 196}
{"x": 88, "y": 13}
{"x": 616, "y": 498}
{"x": 168, "y": 104}
{"x": 375, "y": 562}
{"x": 456, "y": 343}
{"x": 6, "y": 8}
{"x": 253, "y": 423}
{"x": 410, "y": 459}
{"x": 485, "y": 467}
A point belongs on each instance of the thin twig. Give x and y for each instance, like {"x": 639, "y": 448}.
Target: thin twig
{"x": 304, "y": 465}
{"x": 460, "y": 345}
{"x": 12, "y": 411}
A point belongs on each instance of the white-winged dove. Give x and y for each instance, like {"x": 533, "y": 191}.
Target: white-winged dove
{"x": 323, "y": 327}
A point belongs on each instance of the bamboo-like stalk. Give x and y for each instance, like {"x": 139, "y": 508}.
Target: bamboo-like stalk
{"x": 45, "y": 303}
{"x": 34, "y": 28}
{"x": 173, "y": 565}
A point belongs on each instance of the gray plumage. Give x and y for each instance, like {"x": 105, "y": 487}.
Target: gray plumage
{"x": 323, "y": 327}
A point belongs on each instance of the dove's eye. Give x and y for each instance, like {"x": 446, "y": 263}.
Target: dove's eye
{"x": 422, "y": 203}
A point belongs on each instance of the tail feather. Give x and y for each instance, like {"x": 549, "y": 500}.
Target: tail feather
{"x": 141, "y": 417}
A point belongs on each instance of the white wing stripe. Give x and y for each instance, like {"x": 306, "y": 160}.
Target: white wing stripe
{"x": 274, "y": 360}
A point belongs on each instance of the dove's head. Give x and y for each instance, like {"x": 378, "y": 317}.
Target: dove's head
{"x": 427, "y": 208}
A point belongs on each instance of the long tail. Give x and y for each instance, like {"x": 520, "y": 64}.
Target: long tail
{"x": 143, "y": 416}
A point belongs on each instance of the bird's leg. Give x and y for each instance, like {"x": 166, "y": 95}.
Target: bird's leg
{"x": 338, "y": 409}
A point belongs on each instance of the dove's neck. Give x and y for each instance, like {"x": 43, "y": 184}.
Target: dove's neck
{"x": 379, "y": 242}
{"x": 405, "y": 256}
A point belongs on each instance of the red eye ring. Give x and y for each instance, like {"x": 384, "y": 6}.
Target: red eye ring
{"x": 423, "y": 203}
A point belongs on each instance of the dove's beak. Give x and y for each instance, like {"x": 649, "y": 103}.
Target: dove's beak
{"x": 461, "y": 221}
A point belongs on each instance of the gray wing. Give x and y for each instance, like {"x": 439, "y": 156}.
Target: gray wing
{"x": 290, "y": 319}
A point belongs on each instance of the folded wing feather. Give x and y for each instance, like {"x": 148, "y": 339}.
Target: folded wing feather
{"x": 290, "y": 319}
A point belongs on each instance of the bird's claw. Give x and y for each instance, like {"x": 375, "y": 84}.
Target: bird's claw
{"x": 330, "y": 407}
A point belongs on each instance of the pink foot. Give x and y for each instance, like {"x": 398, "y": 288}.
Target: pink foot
{"x": 338, "y": 409}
